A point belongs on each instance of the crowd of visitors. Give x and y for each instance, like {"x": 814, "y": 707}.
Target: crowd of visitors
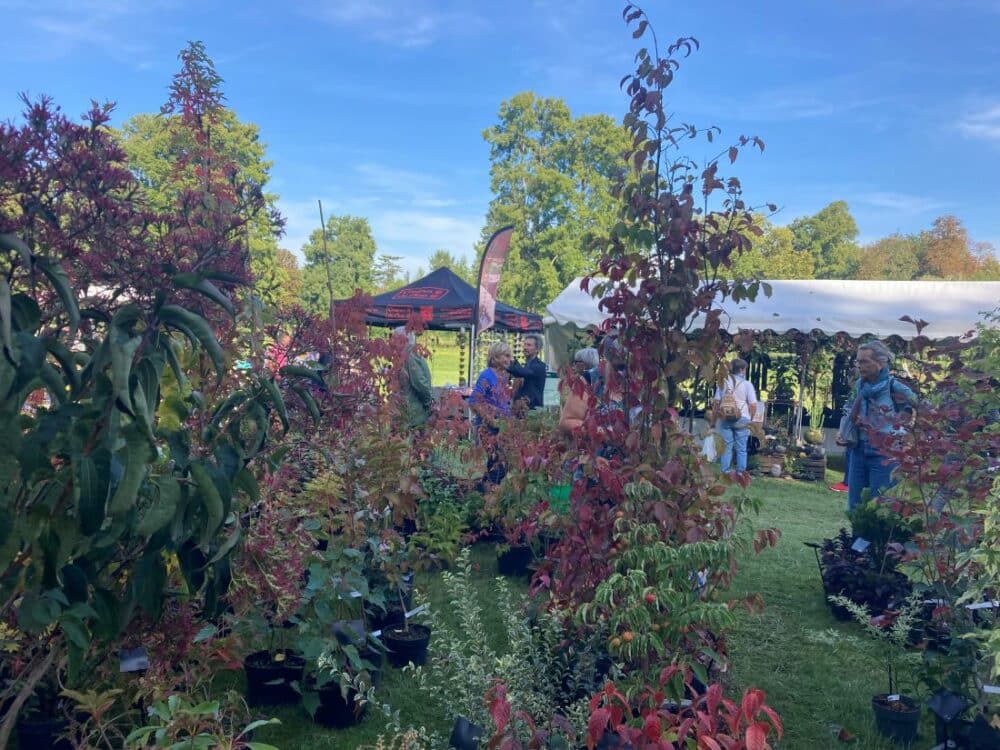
{"x": 879, "y": 407}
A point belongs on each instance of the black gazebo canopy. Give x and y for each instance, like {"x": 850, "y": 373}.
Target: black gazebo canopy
{"x": 443, "y": 302}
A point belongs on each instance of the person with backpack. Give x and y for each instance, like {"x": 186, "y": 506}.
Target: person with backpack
{"x": 880, "y": 400}
{"x": 735, "y": 406}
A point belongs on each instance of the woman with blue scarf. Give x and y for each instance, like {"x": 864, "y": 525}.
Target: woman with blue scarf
{"x": 875, "y": 410}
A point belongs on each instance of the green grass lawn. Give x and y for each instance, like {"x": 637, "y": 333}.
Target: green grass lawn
{"x": 444, "y": 357}
{"x": 819, "y": 674}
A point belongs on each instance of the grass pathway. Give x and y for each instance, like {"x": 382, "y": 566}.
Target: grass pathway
{"x": 819, "y": 673}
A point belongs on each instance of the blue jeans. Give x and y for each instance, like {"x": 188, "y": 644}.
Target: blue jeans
{"x": 868, "y": 470}
{"x": 734, "y": 433}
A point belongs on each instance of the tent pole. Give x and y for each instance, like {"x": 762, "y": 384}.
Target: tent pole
{"x": 798, "y": 414}
{"x": 472, "y": 353}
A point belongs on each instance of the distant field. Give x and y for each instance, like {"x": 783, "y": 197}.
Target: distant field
{"x": 444, "y": 361}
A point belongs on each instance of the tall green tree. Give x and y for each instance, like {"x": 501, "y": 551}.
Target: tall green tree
{"x": 345, "y": 263}
{"x": 551, "y": 175}
{"x": 773, "y": 256}
{"x": 167, "y": 156}
{"x": 387, "y": 273}
{"x": 896, "y": 257}
{"x": 459, "y": 265}
{"x": 830, "y": 236}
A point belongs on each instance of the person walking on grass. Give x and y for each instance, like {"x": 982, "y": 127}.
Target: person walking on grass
{"x": 735, "y": 407}
{"x": 876, "y": 410}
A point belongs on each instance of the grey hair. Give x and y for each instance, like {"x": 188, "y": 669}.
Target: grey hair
{"x": 411, "y": 337}
{"x": 496, "y": 350}
{"x": 588, "y": 356}
{"x": 537, "y": 338}
{"x": 738, "y": 365}
{"x": 879, "y": 351}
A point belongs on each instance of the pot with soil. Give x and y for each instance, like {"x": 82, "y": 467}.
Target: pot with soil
{"x": 270, "y": 677}
{"x": 407, "y": 643}
{"x": 514, "y": 561}
{"x": 337, "y": 710}
{"x": 40, "y": 731}
{"x": 465, "y": 735}
{"x": 897, "y": 717}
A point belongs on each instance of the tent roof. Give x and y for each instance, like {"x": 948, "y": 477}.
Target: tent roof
{"x": 855, "y": 308}
{"x": 443, "y": 301}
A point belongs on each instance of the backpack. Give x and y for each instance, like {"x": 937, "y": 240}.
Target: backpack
{"x": 728, "y": 408}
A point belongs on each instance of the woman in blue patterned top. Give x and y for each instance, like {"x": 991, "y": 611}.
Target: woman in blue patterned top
{"x": 490, "y": 403}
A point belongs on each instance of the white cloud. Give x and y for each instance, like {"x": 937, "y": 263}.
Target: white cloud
{"x": 400, "y": 23}
{"x": 59, "y": 28}
{"x": 984, "y": 124}
{"x": 902, "y": 203}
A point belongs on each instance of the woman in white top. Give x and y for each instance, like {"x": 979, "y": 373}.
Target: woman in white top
{"x": 735, "y": 429}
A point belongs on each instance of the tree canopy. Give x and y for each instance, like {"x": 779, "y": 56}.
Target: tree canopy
{"x": 830, "y": 237}
{"x": 551, "y": 175}
{"x": 345, "y": 264}
{"x": 459, "y": 265}
{"x": 172, "y": 152}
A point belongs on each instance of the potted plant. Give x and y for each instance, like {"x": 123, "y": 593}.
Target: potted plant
{"x": 343, "y": 660}
{"x": 896, "y": 715}
{"x": 271, "y": 673}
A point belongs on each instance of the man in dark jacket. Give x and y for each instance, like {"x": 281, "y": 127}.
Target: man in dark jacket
{"x": 533, "y": 372}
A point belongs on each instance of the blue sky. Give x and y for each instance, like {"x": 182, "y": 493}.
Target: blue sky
{"x": 377, "y": 106}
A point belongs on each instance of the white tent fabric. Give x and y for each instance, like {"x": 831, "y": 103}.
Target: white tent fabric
{"x": 855, "y": 308}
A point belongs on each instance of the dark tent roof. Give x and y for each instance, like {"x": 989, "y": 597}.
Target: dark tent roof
{"x": 442, "y": 300}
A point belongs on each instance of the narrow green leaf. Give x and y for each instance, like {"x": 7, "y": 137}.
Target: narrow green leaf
{"x": 164, "y": 506}
{"x": 5, "y": 319}
{"x": 93, "y": 479}
{"x": 66, "y": 360}
{"x": 298, "y": 371}
{"x": 227, "y": 546}
{"x": 136, "y": 459}
{"x": 75, "y": 632}
{"x": 58, "y": 278}
{"x": 276, "y": 401}
{"x": 307, "y": 398}
{"x": 166, "y": 346}
{"x": 245, "y": 481}
{"x": 211, "y": 499}
{"x": 196, "y": 282}
{"x": 190, "y": 323}
{"x": 123, "y": 346}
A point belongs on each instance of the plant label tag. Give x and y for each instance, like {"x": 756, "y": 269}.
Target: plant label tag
{"x": 984, "y": 605}
{"x": 133, "y": 659}
{"x": 891, "y": 698}
{"x": 991, "y": 689}
{"x": 860, "y": 544}
{"x": 416, "y": 611}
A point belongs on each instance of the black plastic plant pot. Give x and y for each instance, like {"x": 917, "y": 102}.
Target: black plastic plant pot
{"x": 982, "y": 736}
{"x": 515, "y": 561}
{"x": 38, "y": 732}
{"x": 336, "y": 711}
{"x": 269, "y": 681}
{"x": 406, "y": 645}
{"x": 465, "y": 735}
{"x": 897, "y": 719}
{"x": 385, "y": 620}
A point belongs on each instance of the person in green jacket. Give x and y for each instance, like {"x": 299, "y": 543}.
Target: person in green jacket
{"x": 416, "y": 382}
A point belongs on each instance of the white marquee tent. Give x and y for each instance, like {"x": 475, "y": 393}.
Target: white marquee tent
{"x": 855, "y": 308}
